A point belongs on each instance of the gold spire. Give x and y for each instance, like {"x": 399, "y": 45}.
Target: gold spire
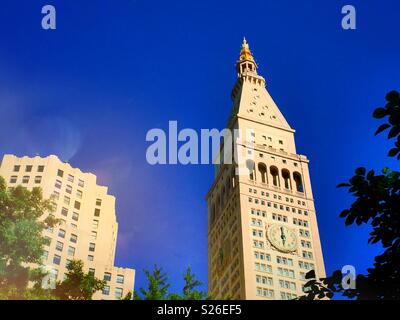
{"x": 245, "y": 53}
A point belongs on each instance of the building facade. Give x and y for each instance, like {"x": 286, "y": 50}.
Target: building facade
{"x": 262, "y": 232}
{"x": 88, "y": 228}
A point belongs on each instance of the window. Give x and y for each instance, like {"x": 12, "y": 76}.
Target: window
{"x": 75, "y": 216}
{"x": 73, "y": 238}
{"x": 118, "y": 293}
{"x": 64, "y": 212}
{"x": 97, "y": 212}
{"x": 61, "y": 233}
{"x": 74, "y": 226}
{"x": 67, "y": 262}
{"x": 77, "y": 205}
{"x": 25, "y": 179}
{"x": 17, "y": 168}
{"x": 68, "y": 189}
{"x": 38, "y": 179}
{"x": 13, "y": 179}
{"x": 298, "y": 181}
{"x": 92, "y": 271}
{"x": 58, "y": 184}
{"x": 40, "y": 169}
{"x": 98, "y": 202}
{"x": 90, "y": 257}
{"x": 71, "y": 251}
{"x": 56, "y": 195}
{"x": 59, "y": 246}
{"x": 265, "y": 292}
{"x": 286, "y": 272}
{"x": 95, "y": 224}
{"x": 28, "y": 169}
{"x": 107, "y": 276}
{"x": 307, "y": 255}
{"x": 81, "y": 183}
{"x": 60, "y": 173}
{"x": 56, "y": 259}
{"x": 50, "y": 229}
{"x": 106, "y": 290}
{"x": 70, "y": 178}
{"x": 120, "y": 279}
{"x": 93, "y": 235}
{"x": 79, "y": 194}
{"x": 67, "y": 200}
{"x": 45, "y": 255}
{"x": 92, "y": 246}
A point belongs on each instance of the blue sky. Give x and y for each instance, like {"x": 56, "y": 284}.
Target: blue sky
{"x": 90, "y": 90}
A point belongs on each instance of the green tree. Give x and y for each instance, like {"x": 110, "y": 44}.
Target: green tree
{"x": 378, "y": 204}
{"x": 23, "y": 217}
{"x": 190, "y": 291}
{"x": 78, "y": 285}
{"x": 157, "y": 286}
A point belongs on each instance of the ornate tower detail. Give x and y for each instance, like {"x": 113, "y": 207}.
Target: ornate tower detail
{"x": 263, "y": 234}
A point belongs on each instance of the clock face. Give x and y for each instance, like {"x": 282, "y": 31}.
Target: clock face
{"x": 282, "y": 238}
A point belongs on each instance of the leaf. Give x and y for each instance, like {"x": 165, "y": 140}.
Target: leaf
{"x": 385, "y": 170}
{"x": 340, "y": 185}
{"x": 379, "y": 113}
{"x": 371, "y": 174}
{"x": 360, "y": 171}
{"x": 393, "y": 152}
{"x": 382, "y": 127}
{"x": 310, "y": 274}
{"x": 394, "y": 132}
{"x": 394, "y": 118}
{"x": 349, "y": 220}
{"x": 344, "y": 213}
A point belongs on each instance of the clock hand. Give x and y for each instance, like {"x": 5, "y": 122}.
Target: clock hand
{"x": 283, "y": 237}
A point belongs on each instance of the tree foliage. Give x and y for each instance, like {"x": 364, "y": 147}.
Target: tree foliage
{"x": 377, "y": 203}
{"x": 157, "y": 287}
{"x": 24, "y": 215}
{"x": 78, "y": 285}
{"x": 190, "y": 291}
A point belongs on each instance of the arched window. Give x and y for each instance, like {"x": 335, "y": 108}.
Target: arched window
{"x": 262, "y": 168}
{"x": 299, "y": 183}
{"x": 275, "y": 176}
{"x": 286, "y": 179}
{"x": 250, "y": 167}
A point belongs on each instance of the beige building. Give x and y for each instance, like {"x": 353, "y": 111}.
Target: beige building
{"x": 88, "y": 229}
{"x": 262, "y": 234}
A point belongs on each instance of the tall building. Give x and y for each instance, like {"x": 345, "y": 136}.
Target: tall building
{"x": 262, "y": 233}
{"x": 88, "y": 228}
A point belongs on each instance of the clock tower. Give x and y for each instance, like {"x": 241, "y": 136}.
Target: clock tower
{"x": 262, "y": 226}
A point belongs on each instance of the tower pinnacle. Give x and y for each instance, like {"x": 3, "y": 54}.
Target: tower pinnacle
{"x": 246, "y": 61}
{"x": 245, "y": 53}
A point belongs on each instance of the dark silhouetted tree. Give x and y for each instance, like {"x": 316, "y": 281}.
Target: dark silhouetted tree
{"x": 378, "y": 204}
